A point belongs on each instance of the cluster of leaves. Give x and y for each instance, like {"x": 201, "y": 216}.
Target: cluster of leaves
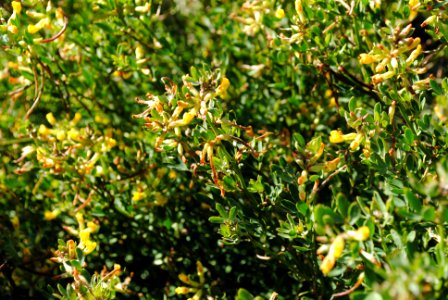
{"x": 284, "y": 149}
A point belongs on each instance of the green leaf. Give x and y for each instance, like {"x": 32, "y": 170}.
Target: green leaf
{"x": 256, "y": 186}
{"x": 222, "y": 212}
{"x": 325, "y": 215}
{"x": 218, "y": 220}
{"x": 244, "y": 295}
{"x": 232, "y": 213}
{"x": 342, "y": 204}
{"x": 435, "y": 87}
{"x": 298, "y": 140}
{"x": 409, "y": 136}
{"x": 414, "y": 203}
{"x": 354, "y": 213}
{"x": 352, "y": 104}
{"x": 429, "y": 213}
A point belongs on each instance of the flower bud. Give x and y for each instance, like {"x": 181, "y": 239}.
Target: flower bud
{"x": 428, "y": 21}
{"x": 378, "y": 78}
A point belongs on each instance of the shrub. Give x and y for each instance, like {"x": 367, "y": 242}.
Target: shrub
{"x": 224, "y": 149}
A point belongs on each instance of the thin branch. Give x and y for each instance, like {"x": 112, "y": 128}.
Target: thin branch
{"x": 327, "y": 180}
{"x": 57, "y": 34}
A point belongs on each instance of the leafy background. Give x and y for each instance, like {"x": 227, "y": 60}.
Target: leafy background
{"x": 332, "y": 122}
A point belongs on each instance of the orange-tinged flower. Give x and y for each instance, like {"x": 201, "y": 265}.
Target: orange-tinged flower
{"x": 327, "y": 264}
{"x": 12, "y": 28}
{"x": 331, "y": 165}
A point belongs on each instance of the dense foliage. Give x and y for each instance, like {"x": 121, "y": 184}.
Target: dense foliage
{"x": 223, "y": 149}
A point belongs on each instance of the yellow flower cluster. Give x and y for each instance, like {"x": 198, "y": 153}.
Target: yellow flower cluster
{"x": 85, "y": 244}
{"x": 337, "y": 247}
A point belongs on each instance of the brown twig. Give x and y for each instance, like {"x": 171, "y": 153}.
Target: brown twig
{"x": 37, "y": 91}
{"x": 57, "y": 34}
{"x": 84, "y": 204}
{"x": 352, "y": 289}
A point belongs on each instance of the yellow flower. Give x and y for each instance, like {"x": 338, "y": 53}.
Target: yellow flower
{"x": 39, "y": 25}
{"x": 138, "y": 195}
{"x": 77, "y": 118}
{"x": 80, "y": 218}
{"x": 84, "y": 236}
{"x": 361, "y": 234}
{"x": 280, "y": 13}
{"x": 378, "y": 78}
{"x": 336, "y": 137}
{"x": 367, "y": 59}
{"x": 139, "y": 52}
{"x": 92, "y": 227}
{"x": 414, "y": 6}
{"x": 182, "y": 290}
{"x": 327, "y": 264}
{"x": 222, "y": 88}
{"x": 303, "y": 177}
{"x": 331, "y": 165}
{"x": 51, "y": 215}
{"x": 184, "y": 278}
{"x": 89, "y": 247}
{"x": 337, "y": 247}
{"x": 16, "y": 6}
{"x": 299, "y": 10}
{"x": 143, "y": 8}
{"x": 73, "y": 134}
{"x": 60, "y": 135}
{"x": 43, "y": 130}
{"x": 108, "y": 144}
{"x": 188, "y": 117}
{"x": 356, "y": 142}
{"x": 414, "y": 55}
{"x": 51, "y": 119}
{"x": 428, "y": 21}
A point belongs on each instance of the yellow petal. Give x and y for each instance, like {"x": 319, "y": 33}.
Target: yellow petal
{"x": 16, "y": 6}
{"x": 336, "y": 137}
